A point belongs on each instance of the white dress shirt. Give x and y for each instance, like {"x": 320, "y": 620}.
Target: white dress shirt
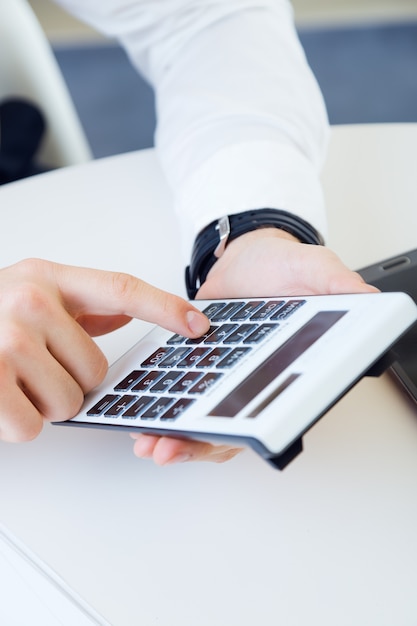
{"x": 241, "y": 120}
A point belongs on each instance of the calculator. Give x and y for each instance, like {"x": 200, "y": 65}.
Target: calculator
{"x": 263, "y": 374}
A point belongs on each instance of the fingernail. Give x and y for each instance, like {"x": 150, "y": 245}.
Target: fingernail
{"x": 197, "y": 322}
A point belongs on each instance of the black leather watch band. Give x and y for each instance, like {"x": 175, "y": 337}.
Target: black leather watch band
{"x": 212, "y": 240}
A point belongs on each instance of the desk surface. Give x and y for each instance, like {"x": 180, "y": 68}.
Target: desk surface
{"x": 331, "y": 540}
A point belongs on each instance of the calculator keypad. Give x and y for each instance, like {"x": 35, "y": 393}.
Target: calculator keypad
{"x": 170, "y": 379}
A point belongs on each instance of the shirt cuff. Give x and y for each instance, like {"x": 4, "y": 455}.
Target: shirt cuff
{"x": 250, "y": 176}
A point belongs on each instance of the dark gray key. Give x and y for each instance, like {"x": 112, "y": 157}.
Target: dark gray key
{"x": 226, "y": 312}
{"x": 157, "y": 408}
{"x": 177, "y": 409}
{"x": 156, "y": 356}
{"x": 291, "y": 307}
{"x": 121, "y": 405}
{"x": 138, "y": 407}
{"x": 129, "y": 380}
{"x": 233, "y": 357}
{"x": 145, "y": 382}
{"x": 174, "y": 357}
{"x": 186, "y": 382}
{"x": 260, "y": 333}
{"x": 212, "y": 357}
{"x": 246, "y": 311}
{"x": 267, "y": 310}
{"x": 242, "y": 331}
{"x": 165, "y": 382}
{"x": 205, "y": 383}
{"x": 194, "y": 357}
{"x": 219, "y": 335}
{"x": 103, "y": 404}
{"x": 213, "y": 308}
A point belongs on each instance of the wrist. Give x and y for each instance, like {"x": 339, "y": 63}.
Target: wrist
{"x": 212, "y": 241}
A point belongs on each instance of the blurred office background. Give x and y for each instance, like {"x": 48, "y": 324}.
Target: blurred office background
{"x": 363, "y": 53}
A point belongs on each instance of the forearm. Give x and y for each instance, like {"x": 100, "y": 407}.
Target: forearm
{"x": 241, "y": 121}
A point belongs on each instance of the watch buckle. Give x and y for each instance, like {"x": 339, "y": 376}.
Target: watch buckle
{"x": 223, "y": 226}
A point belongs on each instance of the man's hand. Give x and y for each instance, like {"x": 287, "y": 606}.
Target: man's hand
{"x": 265, "y": 262}
{"x": 271, "y": 262}
{"x": 48, "y": 313}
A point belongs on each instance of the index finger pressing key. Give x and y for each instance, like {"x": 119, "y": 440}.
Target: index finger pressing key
{"x": 98, "y": 292}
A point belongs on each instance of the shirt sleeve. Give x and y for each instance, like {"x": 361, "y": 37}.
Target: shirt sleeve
{"x": 241, "y": 120}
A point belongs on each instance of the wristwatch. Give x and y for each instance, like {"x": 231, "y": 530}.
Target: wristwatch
{"x": 211, "y": 242}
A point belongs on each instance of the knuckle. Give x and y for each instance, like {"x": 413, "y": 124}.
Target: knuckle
{"x": 26, "y": 297}
{"x": 97, "y": 372}
{"x": 166, "y": 305}
{"x": 122, "y": 285}
{"x": 66, "y": 410}
{"x": 169, "y": 305}
{"x": 4, "y": 373}
{"x": 32, "y": 268}
{"x": 13, "y": 342}
{"x": 34, "y": 299}
{"x": 63, "y": 404}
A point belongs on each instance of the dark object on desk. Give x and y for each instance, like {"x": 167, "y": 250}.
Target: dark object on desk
{"x": 22, "y": 127}
{"x": 399, "y": 273}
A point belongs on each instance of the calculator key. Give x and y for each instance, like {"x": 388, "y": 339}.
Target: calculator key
{"x": 232, "y": 358}
{"x": 103, "y": 404}
{"x": 212, "y": 357}
{"x": 260, "y": 333}
{"x": 145, "y": 382}
{"x": 193, "y": 357}
{"x": 243, "y": 330}
{"x": 176, "y": 339}
{"x": 266, "y": 310}
{"x": 138, "y": 407}
{"x": 157, "y": 408}
{"x": 205, "y": 383}
{"x": 174, "y": 357}
{"x": 165, "y": 382}
{"x": 156, "y": 356}
{"x": 246, "y": 311}
{"x": 177, "y": 409}
{"x": 184, "y": 383}
{"x": 129, "y": 380}
{"x": 121, "y": 405}
{"x": 213, "y": 309}
{"x": 219, "y": 335}
{"x": 226, "y": 312}
{"x": 202, "y": 338}
{"x": 288, "y": 309}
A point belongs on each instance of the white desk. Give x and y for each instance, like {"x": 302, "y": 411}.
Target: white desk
{"x": 330, "y": 541}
